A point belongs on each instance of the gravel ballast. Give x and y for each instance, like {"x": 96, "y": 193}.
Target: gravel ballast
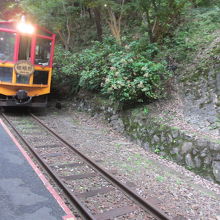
{"x": 179, "y": 192}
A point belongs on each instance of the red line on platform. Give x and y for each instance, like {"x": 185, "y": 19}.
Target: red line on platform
{"x": 69, "y": 215}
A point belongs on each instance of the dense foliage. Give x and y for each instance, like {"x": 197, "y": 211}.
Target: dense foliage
{"x": 121, "y": 72}
{"x": 9, "y": 9}
{"x": 79, "y": 22}
{"x": 199, "y": 29}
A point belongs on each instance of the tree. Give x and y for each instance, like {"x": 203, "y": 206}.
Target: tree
{"x": 114, "y": 22}
{"x": 9, "y": 9}
{"x": 65, "y": 15}
{"x": 95, "y": 6}
{"x": 97, "y": 14}
{"x": 161, "y": 16}
{"x": 57, "y": 14}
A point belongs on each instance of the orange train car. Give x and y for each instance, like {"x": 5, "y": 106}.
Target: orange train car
{"x": 26, "y": 59}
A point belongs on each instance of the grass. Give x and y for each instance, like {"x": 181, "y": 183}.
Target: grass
{"x": 55, "y": 113}
{"x": 26, "y": 124}
{"x": 146, "y": 110}
{"x": 118, "y": 147}
{"x": 178, "y": 182}
{"x": 75, "y": 121}
{"x": 139, "y": 161}
{"x": 160, "y": 178}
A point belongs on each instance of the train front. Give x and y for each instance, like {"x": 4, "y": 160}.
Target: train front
{"x": 26, "y": 58}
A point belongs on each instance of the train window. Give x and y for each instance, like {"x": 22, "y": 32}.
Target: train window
{"x": 22, "y": 79}
{"x": 42, "y": 53}
{"x": 7, "y": 41}
{"x": 24, "y": 48}
{"x": 40, "y": 77}
{"x": 6, "y": 74}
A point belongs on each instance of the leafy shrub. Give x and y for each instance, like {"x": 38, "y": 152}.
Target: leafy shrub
{"x": 65, "y": 80}
{"x": 123, "y": 73}
{"x": 95, "y": 64}
{"x": 132, "y": 77}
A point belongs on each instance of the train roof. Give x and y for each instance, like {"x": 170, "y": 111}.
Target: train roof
{"x": 12, "y": 26}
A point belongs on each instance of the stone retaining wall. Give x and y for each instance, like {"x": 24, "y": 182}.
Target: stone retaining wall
{"x": 200, "y": 155}
{"x": 197, "y": 154}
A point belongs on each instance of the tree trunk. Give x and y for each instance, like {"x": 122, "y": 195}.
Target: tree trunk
{"x": 150, "y": 33}
{"x": 98, "y": 23}
{"x": 62, "y": 38}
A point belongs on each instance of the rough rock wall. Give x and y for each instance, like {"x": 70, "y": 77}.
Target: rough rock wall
{"x": 200, "y": 89}
{"x": 198, "y": 154}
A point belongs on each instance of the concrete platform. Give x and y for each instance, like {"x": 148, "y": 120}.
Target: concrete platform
{"x": 25, "y": 194}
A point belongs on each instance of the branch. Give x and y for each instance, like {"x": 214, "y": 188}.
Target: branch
{"x": 62, "y": 38}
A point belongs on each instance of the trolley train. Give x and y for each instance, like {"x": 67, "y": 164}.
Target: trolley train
{"x": 26, "y": 58}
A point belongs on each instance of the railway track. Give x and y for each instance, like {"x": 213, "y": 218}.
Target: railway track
{"x": 74, "y": 169}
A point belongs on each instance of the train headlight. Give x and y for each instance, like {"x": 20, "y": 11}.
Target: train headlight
{"x": 25, "y": 28}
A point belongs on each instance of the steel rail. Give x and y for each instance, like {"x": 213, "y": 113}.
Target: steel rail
{"x": 128, "y": 191}
{"x": 85, "y": 213}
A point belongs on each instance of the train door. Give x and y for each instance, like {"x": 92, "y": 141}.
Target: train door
{"x": 24, "y": 54}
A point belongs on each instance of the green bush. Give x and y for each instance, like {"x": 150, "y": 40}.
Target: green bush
{"x": 123, "y": 73}
{"x": 65, "y": 78}
{"x": 96, "y": 64}
{"x": 131, "y": 77}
